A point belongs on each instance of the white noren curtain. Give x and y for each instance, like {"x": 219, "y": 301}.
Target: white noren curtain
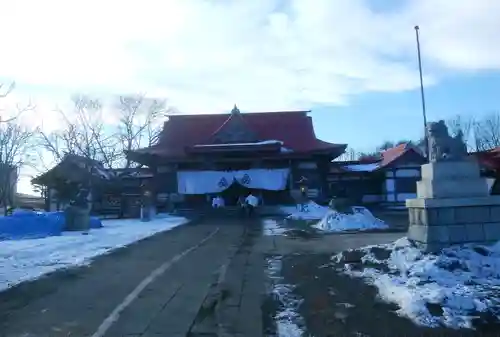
{"x": 264, "y": 179}
{"x": 208, "y": 182}
{"x": 203, "y": 182}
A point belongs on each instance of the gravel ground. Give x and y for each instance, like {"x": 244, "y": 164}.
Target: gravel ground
{"x": 337, "y": 305}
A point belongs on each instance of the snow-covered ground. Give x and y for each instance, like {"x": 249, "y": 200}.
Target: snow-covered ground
{"x": 24, "y": 260}
{"x": 332, "y": 221}
{"x": 360, "y": 219}
{"x": 288, "y": 320}
{"x": 271, "y": 227}
{"x": 310, "y": 211}
{"x": 451, "y": 289}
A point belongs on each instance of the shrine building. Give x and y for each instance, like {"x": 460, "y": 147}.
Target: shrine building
{"x": 272, "y": 154}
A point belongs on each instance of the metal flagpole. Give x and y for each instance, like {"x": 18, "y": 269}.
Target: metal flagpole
{"x": 422, "y": 92}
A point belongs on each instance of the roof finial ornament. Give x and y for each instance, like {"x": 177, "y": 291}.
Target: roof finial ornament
{"x": 235, "y": 110}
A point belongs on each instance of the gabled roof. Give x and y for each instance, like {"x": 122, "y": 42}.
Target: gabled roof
{"x": 70, "y": 170}
{"x": 393, "y": 154}
{"x": 388, "y": 158}
{"x": 74, "y": 168}
{"x": 293, "y": 128}
{"x": 236, "y": 126}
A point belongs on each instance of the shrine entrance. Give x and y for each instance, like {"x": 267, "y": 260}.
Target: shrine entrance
{"x": 233, "y": 192}
{"x": 265, "y": 184}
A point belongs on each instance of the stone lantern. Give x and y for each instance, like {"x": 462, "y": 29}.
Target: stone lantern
{"x": 146, "y": 204}
{"x": 303, "y": 187}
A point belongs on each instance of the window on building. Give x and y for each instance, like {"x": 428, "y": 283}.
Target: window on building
{"x": 373, "y": 186}
{"x": 406, "y": 185}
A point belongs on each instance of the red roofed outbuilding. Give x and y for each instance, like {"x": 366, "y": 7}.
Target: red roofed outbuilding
{"x": 389, "y": 179}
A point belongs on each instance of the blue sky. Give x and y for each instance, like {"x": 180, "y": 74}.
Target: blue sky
{"x": 353, "y": 62}
{"x": 395, "y": 116}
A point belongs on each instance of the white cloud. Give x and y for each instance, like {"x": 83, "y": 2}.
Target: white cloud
{"x": 460, "y": 35}
{"x": 206, "y": 55}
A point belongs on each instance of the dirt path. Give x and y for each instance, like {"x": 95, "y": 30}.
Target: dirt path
{"x": 311, "y": 298}
{"x": 337, "y": 305}
{"x": 239, "y": 312}
{"x": 152, "y": 288}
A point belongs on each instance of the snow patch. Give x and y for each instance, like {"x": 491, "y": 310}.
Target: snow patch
{"x": 271, "y": 227}
{"x": 360, "y": 219}
{"x": 333, "y": 221}
{"x": 288, "y": 320}
{"x": 452, "y": 288}
{"x": 308, "y": 211}
{"x": 362, "y": 167}
{"x": 26, "y": 260}
{"x": 265, "y": 142}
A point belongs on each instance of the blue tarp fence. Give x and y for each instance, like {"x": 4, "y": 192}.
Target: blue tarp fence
{"x": 24, "y": 224}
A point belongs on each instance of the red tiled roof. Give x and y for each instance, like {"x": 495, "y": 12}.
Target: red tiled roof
{"x": 294, "y": 128}
{"x": 488, "y": 159}
{"x": 392, "y": 154}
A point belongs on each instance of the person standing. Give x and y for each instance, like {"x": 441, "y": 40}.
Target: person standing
{"x": 217, "y": 202}
{"x": 222, "y": 202}
{"x": 242, "y": 205}
{"x": 252, "y": 202}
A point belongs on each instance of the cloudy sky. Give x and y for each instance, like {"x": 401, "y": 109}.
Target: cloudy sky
{"x": 353, "y": 62}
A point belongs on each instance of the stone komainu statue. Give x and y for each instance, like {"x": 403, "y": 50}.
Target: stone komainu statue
{"x": 81, "y": 198}
{"x": 442, "y": 146}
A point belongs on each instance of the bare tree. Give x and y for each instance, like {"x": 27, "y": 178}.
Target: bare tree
{"x": 82, "y": 133}
{"x": 369, "y": 156}
{"x": 420, "y": 146}
{"x": 348, "y": 155}
{"x": 478, "y": 140}
{"x": 386, "y": 146}
{"x": 4, "y": 92}
{"x": 389, "y": 145}
{"x": 16, "y": 151}
{"x": 404, "y": 141}
{"x": 139, "y": 123}
{"x": 487, "y": 132}
{"x": 466, "y": 125}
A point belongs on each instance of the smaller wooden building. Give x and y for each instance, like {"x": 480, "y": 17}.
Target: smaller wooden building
{"x": 387, "y": 181}
{"x": 490, "y": 167}
{"x": 358, "y": 180}
{"x": 391, "y": 179}
{"x": 115, "y": 192}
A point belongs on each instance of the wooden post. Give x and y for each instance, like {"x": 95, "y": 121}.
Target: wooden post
{"x": 48, "y": 198}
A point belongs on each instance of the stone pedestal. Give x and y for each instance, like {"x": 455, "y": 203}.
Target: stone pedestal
{"x": 146, "y": 206}
{"x": 77, "y": 219}
{"x": 453, "y": 206}
{"x": 451, "y": 180}
{"x": 146, "y": 214}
